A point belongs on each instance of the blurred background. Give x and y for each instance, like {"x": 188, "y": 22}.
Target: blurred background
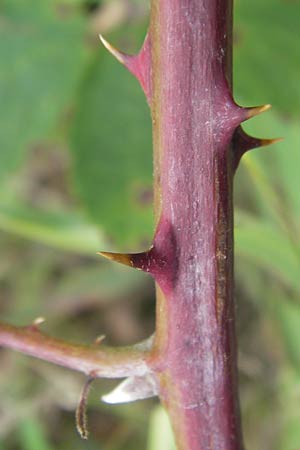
{"x": 76, "y": 175}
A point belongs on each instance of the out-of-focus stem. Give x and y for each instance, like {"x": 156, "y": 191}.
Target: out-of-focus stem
{"x": 95, "y": 361}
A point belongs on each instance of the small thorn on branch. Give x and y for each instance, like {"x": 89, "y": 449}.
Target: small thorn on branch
{"x": 242, "y": 143}
{"x": 81, "y": 416}
{"x": 100, "y": 339}
{"x": 148, "y": 261}
{"x": 266, "y": 142}
{"x": 121, "y": 258}
{"x": 139, "y": 65}
{"x": 35, "y": 325}
{"x": 38, "y": 321}
{"x": 140, "y": 261}
{"x": 160, "y": 260}
{"x": 120, "y": 56}
{"x": 255, "y": 111}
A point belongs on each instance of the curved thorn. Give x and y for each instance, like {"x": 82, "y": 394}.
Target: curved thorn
{"x": 38, "y": 321}
{"x": 243, "y": 142}
{"x": 266, "y": 142}
{"x": 100, "y": 339}
{"x": 121, "y": 57}
{"x": 139, "y": 65}
{"x": 256, "y": 110}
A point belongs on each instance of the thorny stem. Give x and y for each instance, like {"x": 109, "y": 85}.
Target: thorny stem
{"x": 95, "y": 361}
{"x": 185, "y": 69}
{"x": 194, "y": 119}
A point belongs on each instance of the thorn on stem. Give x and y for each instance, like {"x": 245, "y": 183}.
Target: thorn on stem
{"x": 35, "y": 325}
{"x": 38, "y": 321}
{"x": 81, "y": 417}
{"x": 99, "y": 339}
{"x": 121, "y": 258}
{"x": 256, "y": 110}
{"x": 139, "y": 65}
{"x": 160, "y": 260}
{"x": 146, "y": 261}
{"x": 265, "y": 142}
{"x": 242, "y": 143}
{"x": 121, "y": 57}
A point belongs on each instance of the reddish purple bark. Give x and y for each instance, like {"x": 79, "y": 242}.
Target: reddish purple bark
{"x": 194, "y": 122}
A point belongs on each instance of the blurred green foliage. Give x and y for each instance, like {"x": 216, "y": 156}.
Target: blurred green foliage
{"x": 43, "y": 58}
{"x": 112, "y": 153}
{"x": 75, "y": 177}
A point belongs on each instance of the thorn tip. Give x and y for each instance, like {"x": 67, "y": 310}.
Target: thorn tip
{"x": 243, "y": 142}
{"x": 38, "y": 321}
{"x": 121, "y": 258}
{"x": 265, "y": 142}
{"x": 256, "y": 110}
{"x": 116, "y": 53}
{"x": 99, "y": 339}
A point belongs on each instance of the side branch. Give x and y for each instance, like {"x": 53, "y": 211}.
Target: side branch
{"x": 92, "y": 360}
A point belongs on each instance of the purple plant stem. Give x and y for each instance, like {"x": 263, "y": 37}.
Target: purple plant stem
{"x": 194, "y": 118}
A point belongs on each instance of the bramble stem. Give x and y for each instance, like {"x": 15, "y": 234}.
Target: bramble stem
{"x": 95, "y": 361}
{"x": 194, "y": 119}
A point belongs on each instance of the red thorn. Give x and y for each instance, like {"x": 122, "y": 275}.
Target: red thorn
{"x": 242, "y": 143}
{"x": 149, "y": 261}
{"x": 139, "y": 65}
{"x": 160, "y": 260}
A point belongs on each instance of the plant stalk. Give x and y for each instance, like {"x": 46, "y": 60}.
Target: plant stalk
{"x": 92, "y": 360}
{"x": 194, "y": 119}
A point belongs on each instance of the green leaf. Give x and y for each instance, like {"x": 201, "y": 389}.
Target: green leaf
{"x": 289, "y": 393}
{"x": 266, "y": 69}
{"x": 32, "y": 435}
{"x": 278, "y": 163}
{"x": 67, "y": 231}
{"x": 267, "y": 247}
{"x": 112, "y": 153}
{"x": 160, "y": 434}
{"x": 42, "y": 53}
{"x": 99, "y": 284}
{"x": 286, "y": 311}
